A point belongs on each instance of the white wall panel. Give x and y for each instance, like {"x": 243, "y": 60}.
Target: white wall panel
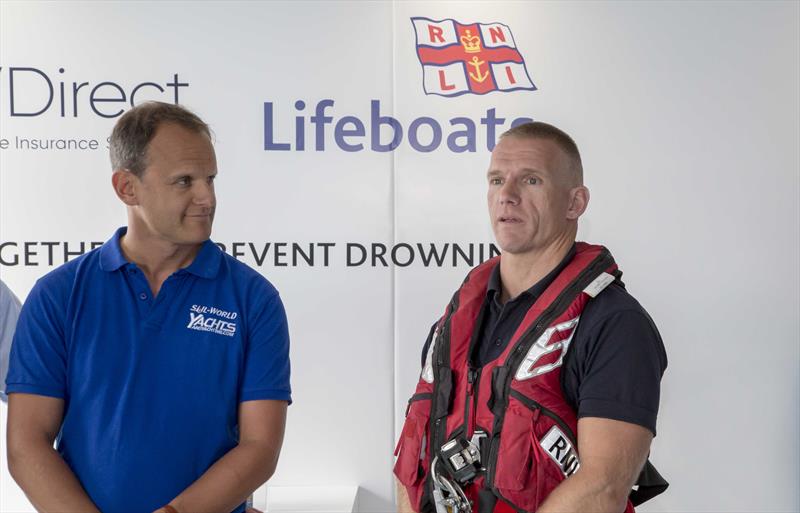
{"x": 687, "y": 116}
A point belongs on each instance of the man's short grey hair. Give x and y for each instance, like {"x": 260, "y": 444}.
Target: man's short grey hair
{"x": 135, "y": 129}
{"x": 541, "y": 130}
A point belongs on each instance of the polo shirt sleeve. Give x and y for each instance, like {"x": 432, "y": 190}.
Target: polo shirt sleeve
{"x": 9, "y": 313}
{"x": 621, "y": 370}
{"x": 266, "y": 362}
{"x": 38, "y": 352}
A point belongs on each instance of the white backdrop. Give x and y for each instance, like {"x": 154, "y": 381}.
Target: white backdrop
{"x": 687, "y": 116}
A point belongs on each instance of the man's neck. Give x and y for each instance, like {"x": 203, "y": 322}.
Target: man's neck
{"x": 519, "y": 272}
{"x": 157, "y": 258}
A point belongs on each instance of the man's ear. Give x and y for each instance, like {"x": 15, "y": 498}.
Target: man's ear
{"x": 578, "y": 202}
{"x": 124, "y": 183}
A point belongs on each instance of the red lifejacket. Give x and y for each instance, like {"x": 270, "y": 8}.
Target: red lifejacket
{"x": 516, "y": 399}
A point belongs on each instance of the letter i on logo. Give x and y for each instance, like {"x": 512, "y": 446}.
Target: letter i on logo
{"x": 510, "y": 75}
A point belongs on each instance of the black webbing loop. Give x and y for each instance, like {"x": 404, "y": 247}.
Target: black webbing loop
{"x": 650, "y": 483}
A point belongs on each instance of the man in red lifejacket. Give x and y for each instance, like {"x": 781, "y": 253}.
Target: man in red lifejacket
{"x": 540, "y": 383}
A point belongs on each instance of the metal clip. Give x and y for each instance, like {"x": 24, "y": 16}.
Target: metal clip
{"x": 448, "y": 496}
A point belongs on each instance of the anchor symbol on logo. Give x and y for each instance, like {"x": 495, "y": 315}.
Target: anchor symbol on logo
{"x": 477, "y": 63}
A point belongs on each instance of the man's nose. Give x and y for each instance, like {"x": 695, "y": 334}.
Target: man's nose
{"x": 204, "y": 194}
{"x": 509, "y": 193}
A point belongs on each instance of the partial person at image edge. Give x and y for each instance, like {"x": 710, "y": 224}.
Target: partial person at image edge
{"x": 9, "y": 313}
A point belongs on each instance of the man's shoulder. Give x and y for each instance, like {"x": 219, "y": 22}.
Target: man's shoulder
{"x": 7, "y": 298}
{"x": 52, "y": 294}
{"x": 614, "y": 300}
{"x": 616, "y": 315}
{"x": 61, "y": 280}
{"x": 246, "y": 278}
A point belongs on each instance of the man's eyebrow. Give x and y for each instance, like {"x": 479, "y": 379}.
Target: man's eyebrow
{"x": 192, "y": 173}
{"x": 524, "y": 171}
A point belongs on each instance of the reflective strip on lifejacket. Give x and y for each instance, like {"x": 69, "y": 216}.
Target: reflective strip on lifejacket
{"x": 427, "y": 370}
{"x": 527, "y": 369}
{"x": 599, "y": 283}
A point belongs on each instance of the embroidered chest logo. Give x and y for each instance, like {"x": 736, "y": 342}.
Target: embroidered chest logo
{"x": 215, "y": 320}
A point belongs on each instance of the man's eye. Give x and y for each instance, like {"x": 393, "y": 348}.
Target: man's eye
{"x": 532, "y": 180}
{"x": 495, "y": 181}
{"x": 185, "y": 180}
{"x": 212, "y": 178}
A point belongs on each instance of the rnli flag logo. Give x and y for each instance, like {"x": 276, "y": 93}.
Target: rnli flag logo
{"x": 478, "y": 58}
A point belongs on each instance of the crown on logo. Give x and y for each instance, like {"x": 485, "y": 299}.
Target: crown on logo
{"x": 471, "y": 44}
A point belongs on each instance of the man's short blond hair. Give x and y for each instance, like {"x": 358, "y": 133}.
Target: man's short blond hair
{"x": 540, "y": 130}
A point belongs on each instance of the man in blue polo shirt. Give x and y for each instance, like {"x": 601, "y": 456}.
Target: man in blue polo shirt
{"x": 160, "y": 362}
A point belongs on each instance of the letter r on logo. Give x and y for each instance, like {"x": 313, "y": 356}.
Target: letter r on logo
{"x": 435, "y": 33}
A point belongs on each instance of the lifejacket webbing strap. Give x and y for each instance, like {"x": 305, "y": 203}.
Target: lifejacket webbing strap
{"x": 443, "y": 391}
{"x": 650, "y": 484}
{"x": 498, "y": 398}
{"x": 486, "y": 500}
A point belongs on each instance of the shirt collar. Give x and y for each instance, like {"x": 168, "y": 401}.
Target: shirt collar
{"x": 495, "y": 285}
{"x": 111, "y": 257}
{"x": 205, "y": 264}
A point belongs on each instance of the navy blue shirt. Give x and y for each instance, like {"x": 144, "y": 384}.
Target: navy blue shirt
{"x": 151, "y": 386}
{"x": 614, "y": 364}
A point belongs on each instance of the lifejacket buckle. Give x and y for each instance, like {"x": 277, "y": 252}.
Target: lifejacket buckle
{"x": 478, "y": 436}
{"x": 462, "y": 459}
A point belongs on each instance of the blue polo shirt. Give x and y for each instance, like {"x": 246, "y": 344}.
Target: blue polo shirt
{"x": 151, "y": 386}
